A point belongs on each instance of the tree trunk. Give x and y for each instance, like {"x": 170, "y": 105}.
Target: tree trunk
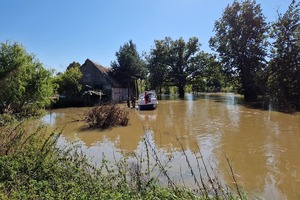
{"x": 128, "y": 90}
{"x": 250, "y": 96}
{"x": 137, "y": 88}
{"x": 249, "y": 86}
{"x": 181, "y": 91}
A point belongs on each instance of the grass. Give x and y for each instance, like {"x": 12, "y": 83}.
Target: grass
{"x": 33, "y": 166}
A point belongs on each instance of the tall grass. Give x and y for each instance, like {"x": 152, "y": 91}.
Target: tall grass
{"x": 33, "y": 166}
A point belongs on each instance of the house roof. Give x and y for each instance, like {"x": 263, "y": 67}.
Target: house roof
{"x": 105, "y": 71}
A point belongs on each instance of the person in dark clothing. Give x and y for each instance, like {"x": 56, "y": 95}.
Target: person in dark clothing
{"x": 146, "y": 98}
{"x": 133, "y": 102}
{"x": 128, "y": 102}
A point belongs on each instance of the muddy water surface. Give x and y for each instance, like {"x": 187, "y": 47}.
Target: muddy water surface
{"x": 264, "y": 145}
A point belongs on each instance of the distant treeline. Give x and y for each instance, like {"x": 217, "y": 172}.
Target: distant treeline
{"x": 253, "y": 57}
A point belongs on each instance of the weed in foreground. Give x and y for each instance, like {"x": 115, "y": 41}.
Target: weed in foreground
{"x": 32, "y": 166}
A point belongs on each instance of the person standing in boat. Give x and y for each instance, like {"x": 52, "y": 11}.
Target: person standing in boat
{"x": 146, "y": 98}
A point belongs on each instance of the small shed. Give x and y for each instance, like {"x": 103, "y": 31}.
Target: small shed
{"x": 97, "y": 77}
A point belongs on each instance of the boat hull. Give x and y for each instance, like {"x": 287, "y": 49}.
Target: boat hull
{"x": 147, "y": 106}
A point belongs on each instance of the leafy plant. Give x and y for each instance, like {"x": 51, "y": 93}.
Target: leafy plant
{"x": 25, "y": 84}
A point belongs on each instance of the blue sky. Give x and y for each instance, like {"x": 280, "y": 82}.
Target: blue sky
{"x": 59, "y": 32}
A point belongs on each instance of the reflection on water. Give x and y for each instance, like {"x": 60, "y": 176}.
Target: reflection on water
{"x": 264, "y": 145}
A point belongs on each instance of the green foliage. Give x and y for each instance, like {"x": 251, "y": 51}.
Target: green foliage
{"x": 25, "y": 84}
{"x": 174, "y": 63}
{"x": 129, "y": 66}
{"x": 212, "y": 74}
{"x": 7, "y": 119}
{"x": 198, "y": 85}
{"x": 33, "y": 166}
{"x": 157, "y": 69}
{"x": 69, "y": 81}
{"x": 284, "y": 67}
{"x": 73, "y": 65}
{"x": 241, "y": 41}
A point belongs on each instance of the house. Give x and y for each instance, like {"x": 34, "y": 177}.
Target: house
{"x": 97, "y": 77}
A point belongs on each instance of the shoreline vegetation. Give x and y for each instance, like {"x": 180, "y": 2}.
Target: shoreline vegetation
{"x": 33, "y": 166}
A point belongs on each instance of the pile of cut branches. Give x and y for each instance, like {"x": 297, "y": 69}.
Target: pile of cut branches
{"x": 106, "y": 116}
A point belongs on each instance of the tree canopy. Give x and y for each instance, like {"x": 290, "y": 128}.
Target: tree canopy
{"x": 25, "y": 84}
{"x": 175, "y": 62}
{"x": 212, "y": 73}
{"x": 284, "y": 68}
{"x": 241, "y": 41}
{"x": 129, "y": 66}
{"x": 157, "y": 68}
{"x": 73, "y": 65}
{"x": 69, "y": 81}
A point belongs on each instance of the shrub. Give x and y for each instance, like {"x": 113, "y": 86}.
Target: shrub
{"x": 107, "y": 115}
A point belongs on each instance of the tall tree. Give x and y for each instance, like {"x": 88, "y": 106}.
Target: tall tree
{"x": 25, "y": 84}
{"x": 69, "y": 81}
{"x": 179, "y": 61}
{"x": 241, "y": 41}
{"x": 284, "y": 77}
{"x": 157, "y": 68}
{"x": 129, "y": 66}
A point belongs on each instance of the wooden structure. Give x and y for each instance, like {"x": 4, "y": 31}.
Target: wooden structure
{"x": 96, "y": 77}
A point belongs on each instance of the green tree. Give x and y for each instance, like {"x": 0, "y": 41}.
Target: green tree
{"x": 73, "y": 64}
{"x": 129, "y": 66}
{"x": 178, "y": 60}
{"x": 69, "y": 81}
{"x": 198, "y": 85}
{"x": 284, "y": 67}
{"x": 212, "y": 73}
{"x": 25, "y": 84}
{"x": 241, "y": 41}
{"x": 157, "y": 68}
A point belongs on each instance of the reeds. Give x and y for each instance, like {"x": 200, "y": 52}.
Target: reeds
{"x": 209, "y": 187}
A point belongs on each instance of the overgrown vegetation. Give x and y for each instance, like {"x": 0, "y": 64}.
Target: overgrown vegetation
{"x": 32, "y": 166}
{"x": 107, "y": 115}
{"x": 68, "y": 83}
{"x": 284, "y": 67}
{"x": 25, "y": 84}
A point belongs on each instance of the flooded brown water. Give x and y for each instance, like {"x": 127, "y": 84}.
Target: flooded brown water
{"x": 264, "y": 145}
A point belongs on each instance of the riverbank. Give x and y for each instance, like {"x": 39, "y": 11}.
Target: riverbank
{"x": 33, "y": 166}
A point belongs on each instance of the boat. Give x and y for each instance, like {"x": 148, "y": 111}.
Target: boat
{"x": 147, "y": 100}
